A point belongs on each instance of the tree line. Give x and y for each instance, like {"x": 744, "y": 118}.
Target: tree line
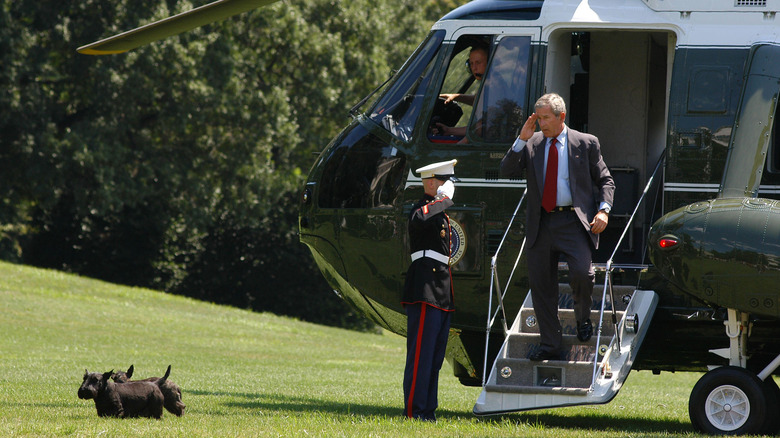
{"x": 178, "y": 166}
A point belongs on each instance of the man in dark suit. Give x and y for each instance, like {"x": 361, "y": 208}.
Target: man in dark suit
{"x": 570, "y": 194}
{"x": 428, "y": 296}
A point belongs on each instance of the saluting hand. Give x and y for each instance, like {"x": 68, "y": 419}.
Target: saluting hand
{"x": 528, "y": 128}
{"x": 599, "y": 222}
{"x": 447, "y": 189}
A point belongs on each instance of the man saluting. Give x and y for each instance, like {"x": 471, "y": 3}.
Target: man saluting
{"x": 428, "y": 294}
{"x": 570, "y": 194}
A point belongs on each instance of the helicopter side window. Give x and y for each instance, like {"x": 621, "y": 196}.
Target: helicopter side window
{"x": 398, "y": 110}
{"x": 451, "y": 112}
{"x": 500, "y": 109}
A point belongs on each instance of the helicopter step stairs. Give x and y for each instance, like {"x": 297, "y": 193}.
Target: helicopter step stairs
{"x": 516, "y": 383}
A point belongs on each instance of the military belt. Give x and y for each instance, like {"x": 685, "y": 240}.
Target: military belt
{"x": 431, "y": 254}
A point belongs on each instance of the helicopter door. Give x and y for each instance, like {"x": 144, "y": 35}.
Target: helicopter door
{"x": 614, "y": 82}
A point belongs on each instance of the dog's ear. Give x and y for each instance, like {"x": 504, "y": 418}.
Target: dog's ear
{"x": 86, "y": 373}
{"x": 129, "y": 372}
{"x": 107, "y": 375}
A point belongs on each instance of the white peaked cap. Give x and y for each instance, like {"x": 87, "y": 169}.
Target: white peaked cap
{"x": 442, "y": 170}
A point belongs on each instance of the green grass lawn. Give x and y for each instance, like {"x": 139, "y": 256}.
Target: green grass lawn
{"x": 254, "y": 374}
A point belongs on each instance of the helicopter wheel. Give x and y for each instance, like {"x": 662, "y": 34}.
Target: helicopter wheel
{"x": 731, "y": 401}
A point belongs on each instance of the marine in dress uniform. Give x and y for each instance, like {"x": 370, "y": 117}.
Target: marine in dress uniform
{"x": 428, "y": 294}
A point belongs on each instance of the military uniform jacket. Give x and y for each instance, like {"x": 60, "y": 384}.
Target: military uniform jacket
{"x": 427, "y": 280}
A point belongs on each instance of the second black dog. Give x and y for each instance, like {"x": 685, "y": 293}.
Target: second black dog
{"x": 170, "y": 390}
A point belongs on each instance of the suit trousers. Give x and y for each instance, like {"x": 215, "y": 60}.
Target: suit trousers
{"x": 560, "y": 234}
{"x": 426, "y": 342}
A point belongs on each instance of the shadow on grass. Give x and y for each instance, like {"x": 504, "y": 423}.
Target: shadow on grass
{"x": 280, "y": 402}
{"x": 603, "y": 422}
{"x": 539, "y": 419}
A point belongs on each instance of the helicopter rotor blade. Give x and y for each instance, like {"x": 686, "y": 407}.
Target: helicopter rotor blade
{"x": 174, "y": 25}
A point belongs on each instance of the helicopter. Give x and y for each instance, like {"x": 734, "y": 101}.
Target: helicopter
{"x": 682, "y": 95}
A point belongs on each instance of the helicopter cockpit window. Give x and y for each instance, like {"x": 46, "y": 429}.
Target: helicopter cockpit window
{"x": 398, "y": 110}
{"x": 457, "y": 94}
{"x": 501, "y": 104}
{"x": 362, "y": 172}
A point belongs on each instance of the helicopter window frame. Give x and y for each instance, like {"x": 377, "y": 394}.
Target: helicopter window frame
{"x": 400, "y": 106}
{"x": 457, "y": 79}
{"x": 498, "y": 112}
{"x": 708, "y": 90}
{"x": 773, "y": 161}
{"x": 496, "y": 42}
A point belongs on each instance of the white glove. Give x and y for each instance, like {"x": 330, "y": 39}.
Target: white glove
{"x": 447, "y": 189}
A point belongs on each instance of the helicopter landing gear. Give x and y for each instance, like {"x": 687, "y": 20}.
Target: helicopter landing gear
{"x": 733, "y": 400}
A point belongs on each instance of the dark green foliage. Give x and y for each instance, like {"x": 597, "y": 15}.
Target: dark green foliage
{"x": 177, "y": 166}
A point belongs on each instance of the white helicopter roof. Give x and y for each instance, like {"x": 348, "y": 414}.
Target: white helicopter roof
{"x": 708, "y": 23}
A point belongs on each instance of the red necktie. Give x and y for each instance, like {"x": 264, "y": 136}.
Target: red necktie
{"x": 550, "y": 179}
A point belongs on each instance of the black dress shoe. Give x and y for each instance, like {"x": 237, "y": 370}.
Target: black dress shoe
{"x": 540, "y": 355}
{"x": 584, "y": 330}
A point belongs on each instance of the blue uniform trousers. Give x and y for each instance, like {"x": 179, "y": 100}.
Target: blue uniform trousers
{"x": 426, "y": 341}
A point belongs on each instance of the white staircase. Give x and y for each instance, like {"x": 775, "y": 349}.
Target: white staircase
{"x": 589, "y": 373}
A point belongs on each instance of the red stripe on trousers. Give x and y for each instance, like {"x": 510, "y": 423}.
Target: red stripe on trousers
{"x": 416, "y": 359}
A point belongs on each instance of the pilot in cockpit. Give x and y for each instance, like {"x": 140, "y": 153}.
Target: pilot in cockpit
{"x": 495, "y": 86}
{"x": 477, "y": 63}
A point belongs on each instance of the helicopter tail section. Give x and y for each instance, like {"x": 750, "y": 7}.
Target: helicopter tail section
{"x": 590, "y": 372}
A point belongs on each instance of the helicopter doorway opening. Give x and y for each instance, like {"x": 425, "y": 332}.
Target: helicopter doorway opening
{"x": 615, "y": 85}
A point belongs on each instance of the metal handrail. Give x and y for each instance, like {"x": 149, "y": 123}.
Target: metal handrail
{"x": 608, "y": 276}
{"x": 499, "y": 294}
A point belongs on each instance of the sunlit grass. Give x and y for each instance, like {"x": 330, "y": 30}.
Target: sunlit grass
{"x": 251, "y": 374}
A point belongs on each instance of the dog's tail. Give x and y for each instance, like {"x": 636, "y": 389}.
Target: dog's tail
{"x": 165, "y": 377}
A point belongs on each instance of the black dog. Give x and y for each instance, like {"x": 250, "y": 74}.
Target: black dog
{"x": 132, "y": 399}
{"x": 170, "y": 390}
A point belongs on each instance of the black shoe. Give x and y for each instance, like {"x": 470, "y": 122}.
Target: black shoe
{"x": 540, "y": 355}
{"x": 584, "y": 330}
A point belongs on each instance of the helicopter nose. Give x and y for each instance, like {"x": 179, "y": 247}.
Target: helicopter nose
{"x": 713, "y": 249}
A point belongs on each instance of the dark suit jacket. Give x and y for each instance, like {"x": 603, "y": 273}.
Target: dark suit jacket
{"x": 590, "y": 180}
